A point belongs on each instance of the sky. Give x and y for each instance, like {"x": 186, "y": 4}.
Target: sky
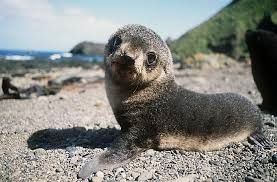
{"x": 61, "y": 24}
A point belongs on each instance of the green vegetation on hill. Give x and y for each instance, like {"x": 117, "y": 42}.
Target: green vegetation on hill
{"x": 224, "y": 32}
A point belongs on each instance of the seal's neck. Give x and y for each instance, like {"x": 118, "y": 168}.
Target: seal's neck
{"x": 119, "y": 96}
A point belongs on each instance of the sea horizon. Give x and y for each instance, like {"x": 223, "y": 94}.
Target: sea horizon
{"x": 50, "y": 55}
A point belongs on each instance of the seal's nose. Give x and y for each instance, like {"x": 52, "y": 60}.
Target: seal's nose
{"x": 123, "y": 60}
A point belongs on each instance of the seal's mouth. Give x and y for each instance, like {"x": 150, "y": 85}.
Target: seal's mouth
{"x": 125, "y": 61}
{"x": 123, "y": 68}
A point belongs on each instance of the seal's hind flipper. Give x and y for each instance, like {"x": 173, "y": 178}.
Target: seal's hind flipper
{"x": 258, "y": 138}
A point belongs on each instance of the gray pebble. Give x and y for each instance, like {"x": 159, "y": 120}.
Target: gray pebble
{"x": 212, "y": 162}
{"x": 100, "y": 174}
{"x": 96, "y": 179}
{"x": 208, "y": 180}
{"x": 150, "y": 152}
{"x": 264, "y": 160}
{"x": 58, "y": 170}
{"x": 252, "y": 179}
{"x": 119, "y": 170}
{"x": 135, "y": 174}
{"x": 39, "y": 152}
{"x": 74, "y": 160}
{"x": 146, "y": 175}
{"x": 72, "y": 151}
{"x": 237, "y": 151}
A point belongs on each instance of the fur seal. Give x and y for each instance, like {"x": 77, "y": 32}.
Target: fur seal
{"x": 154, "y": 112}
{"x": 262, "y": 46}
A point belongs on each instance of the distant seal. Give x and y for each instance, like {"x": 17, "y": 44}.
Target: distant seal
{"x": 154, "y": 112}
{"x": 262, "y": 46}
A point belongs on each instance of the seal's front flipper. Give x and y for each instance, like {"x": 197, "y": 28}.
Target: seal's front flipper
{"x": 90, "y": 167}
{"x": 258, "y": 138}
{"x": 125, "y": 148}
{"x": 111, "y": 159}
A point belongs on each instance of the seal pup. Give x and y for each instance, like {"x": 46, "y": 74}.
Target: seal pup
{"x": 154, "y": 112}
{"x": 262, "y": 46}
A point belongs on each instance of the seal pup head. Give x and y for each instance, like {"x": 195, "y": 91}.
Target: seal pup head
{"x": 136, "y": 55}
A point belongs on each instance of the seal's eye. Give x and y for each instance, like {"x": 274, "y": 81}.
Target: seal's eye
{"x": 151, "y": 58}
{"x": 115, "y": 43}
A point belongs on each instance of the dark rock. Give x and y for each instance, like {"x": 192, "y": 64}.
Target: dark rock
{"x": 72, "y": 151}
{"x": 264, "y": 161}
{"x": 88, "y": 48}
{"x": 64, "y": 80}
{"x": 274, "y": 158}
{"x": 270, "y": 123}
{"x": 212, "y": 162}
{"x": 58, "y": 170}
{"x": 252, "y": 179}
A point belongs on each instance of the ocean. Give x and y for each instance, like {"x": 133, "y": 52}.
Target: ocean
{"x": 26, "y": 55}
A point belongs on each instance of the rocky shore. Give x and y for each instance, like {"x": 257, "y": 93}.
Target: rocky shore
{"x": 48, "y": 138}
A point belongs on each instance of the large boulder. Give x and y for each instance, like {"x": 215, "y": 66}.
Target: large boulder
{"x": 88, "y": 48}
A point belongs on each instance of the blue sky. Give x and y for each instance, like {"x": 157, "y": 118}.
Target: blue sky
{"x": 60, "y": 24}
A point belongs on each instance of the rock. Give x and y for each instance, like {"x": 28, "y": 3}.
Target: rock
{"x": 123, "y": 175}
{"x": 39, "y": 152}
{"x": 270, "y": 123}
{"x": 135, "y": 174}
{"x": 208, "y": 180}
{"x": 100, "y": 174}
{"x": 252, "y": 179}
{"x": 119, "y": 170}
{"x": 96, "y": 179}
{"x": 188, "y": 178}
{"x": 274, "y": 158}
{"x": 237, "y": 151}
{"x": 146, "y": 175}
{"x": 58, "y": 170}
{"x": 264, "y": 160}
{"x": 150, "y": 152}
{"x": 72, "y": 151}
{"x": 64, "y": 80}
{"x": 212, "y": 162}
{"x": 88, "y": 48}
{"x": 230, "y": 157}
{"x": 98, "y": 103}
{"x": 74, "y": 159}
{"x": 247, "y": 144}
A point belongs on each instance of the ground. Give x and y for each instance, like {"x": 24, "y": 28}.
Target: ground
{"x": 49, "y": 138}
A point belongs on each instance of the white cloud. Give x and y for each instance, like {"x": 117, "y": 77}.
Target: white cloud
{"x": 52, "y": 28}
